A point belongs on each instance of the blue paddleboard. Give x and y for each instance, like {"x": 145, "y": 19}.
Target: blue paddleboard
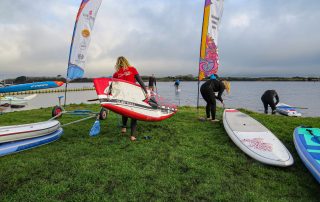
{"x": 307, "y": 143}
{"x": 31, "y": 86}
{"x": 17, "y": 146}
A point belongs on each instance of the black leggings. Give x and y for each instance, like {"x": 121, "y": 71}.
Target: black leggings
{"x": 209, "y": 96}
{"x": 133, "y": 124}
{"x": 270, "y": 103}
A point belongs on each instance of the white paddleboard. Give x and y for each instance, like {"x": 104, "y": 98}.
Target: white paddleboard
{"x": 287, "y": 110}
{"x": 26, "y": 131}
{"x": 255, "y": 140}
{"x": 16, "y": 100}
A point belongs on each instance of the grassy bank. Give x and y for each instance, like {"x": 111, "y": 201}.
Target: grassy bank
{"x": 185, "y": 160}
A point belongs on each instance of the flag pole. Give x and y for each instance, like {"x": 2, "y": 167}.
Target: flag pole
{"x": 198, "y": 97}
{"x": 65, "y": 94}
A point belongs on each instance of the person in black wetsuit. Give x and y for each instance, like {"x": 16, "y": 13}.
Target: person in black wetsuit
{"x": 176, "y": 84}
{"x": 208, "y": 90}
{"x": 268, "y": 98}
{"x": 152, "y": 82}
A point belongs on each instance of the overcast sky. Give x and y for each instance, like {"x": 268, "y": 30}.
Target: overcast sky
{"x": 257, "y": 37}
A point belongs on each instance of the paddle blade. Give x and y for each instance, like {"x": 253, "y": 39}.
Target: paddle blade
{"x": 95, "y": 130}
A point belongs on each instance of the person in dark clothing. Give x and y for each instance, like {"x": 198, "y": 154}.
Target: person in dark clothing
{"x": 271, "y": 98}
{"x": 152, "y": 82}
{"x": 208, "y": 90}
{"x": 176, "y": 84}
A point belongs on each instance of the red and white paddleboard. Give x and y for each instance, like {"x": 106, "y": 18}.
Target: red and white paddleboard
{"x": 255, "y": 140}
{"x": 27, "y": 131}
{"x": 129, "y": 99}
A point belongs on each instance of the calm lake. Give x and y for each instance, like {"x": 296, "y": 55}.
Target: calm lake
{"x": 243, "y": 95}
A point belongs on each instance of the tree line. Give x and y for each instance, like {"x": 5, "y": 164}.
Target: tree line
{"x": 188, "y": 77}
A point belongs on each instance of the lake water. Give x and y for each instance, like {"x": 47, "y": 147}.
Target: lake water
{"x": 243, "y": 95}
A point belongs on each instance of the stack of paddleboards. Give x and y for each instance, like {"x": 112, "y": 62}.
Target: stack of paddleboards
{"x": 287, "y": 110}
{"x": 307, "y": 143}
{"x": 22, "y": 137}
{"x": 255, "y": 140}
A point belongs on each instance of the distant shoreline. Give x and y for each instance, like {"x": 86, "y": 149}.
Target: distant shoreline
{"x": 24, "y": 79}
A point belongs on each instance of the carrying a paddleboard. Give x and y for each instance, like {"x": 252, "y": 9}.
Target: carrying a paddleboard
{"x": 128, "y": 99}
{"x": 307, "y": 143}
{"x": 21, "y": 145}
{"x": 255, "y": 140}
{"x": 287, "y": 110}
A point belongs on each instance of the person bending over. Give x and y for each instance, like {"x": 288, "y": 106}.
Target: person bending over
{"x": 127, "y": 72}
{"x": 271, "y": 98}
{"x": 152, "y": 82}
{"x": 208, "y": 90}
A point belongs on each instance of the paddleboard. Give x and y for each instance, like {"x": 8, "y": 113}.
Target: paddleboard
{"x": 128, "y": 99}
{"x": 16, "y": 100}
{"x": 307, "y": 143}
{"x": 287, "y": 110}
{"x": 255, "y": 140}
{"x": 31, "y": 86}
{"x": 26, "y": 131}
{"x": 17, "y": 146}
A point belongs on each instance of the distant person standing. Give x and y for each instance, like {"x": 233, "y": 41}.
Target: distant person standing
{"x": 271, "y": 98}
{"x": 176, "y": 84}
{"x": 152, "y": 82}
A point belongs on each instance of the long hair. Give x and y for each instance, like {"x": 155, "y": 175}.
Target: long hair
{"x": 122, "y": 62}
{"x": 226, "y": 85}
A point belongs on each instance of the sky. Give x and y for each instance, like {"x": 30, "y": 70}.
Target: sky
{"x": 257, "y": 37}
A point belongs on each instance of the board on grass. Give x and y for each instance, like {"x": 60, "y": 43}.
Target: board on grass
{"x": 26, "y": 131}
{"x": 287, "y": 110}
{"x": 255, "y": 140}
{"x": 21, "y": 145}
{"x": 307, "y": 143}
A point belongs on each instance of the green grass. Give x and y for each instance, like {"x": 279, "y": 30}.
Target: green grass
{"x": 185, "y": 160}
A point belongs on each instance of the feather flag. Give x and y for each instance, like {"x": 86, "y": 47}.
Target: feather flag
{"x": 209, "y": 58}
{"x": 81, "y": 37}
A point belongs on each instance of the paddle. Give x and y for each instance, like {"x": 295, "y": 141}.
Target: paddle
{"x": 300, "y": 107}
{"x": 95, "y": 130}
{"x": 92, "y": 100}
{"x": 292, "y": 107}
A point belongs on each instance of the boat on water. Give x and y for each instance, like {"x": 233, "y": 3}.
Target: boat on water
{"x": 26, "y": 131}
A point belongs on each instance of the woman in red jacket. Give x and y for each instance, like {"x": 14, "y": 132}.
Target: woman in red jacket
{"x": 127, "y": 72}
